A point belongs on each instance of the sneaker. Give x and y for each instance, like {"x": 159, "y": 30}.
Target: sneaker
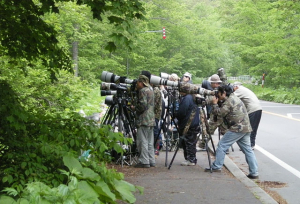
{"x": 252, "y": 177}
{"x": 140, "y": 165}
{"x": 212, "y": 170}
{"x": 199, "y": 149}
{"x": 227, "y": 151}
{"x": 187, "y": 163}
{"x": 156, "y": 152}
{"x": 152, "y": 165}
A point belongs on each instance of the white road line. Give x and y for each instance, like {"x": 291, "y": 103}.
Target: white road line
{"x": 290, "y": 115}
{"x": 281, "y": 115}
{"x": 278, "y": 161}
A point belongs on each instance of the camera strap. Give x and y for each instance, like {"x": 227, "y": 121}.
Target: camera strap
{"x": 189, "y": 122}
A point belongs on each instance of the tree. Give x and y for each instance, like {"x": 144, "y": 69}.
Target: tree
{"x": 25, "y": 34}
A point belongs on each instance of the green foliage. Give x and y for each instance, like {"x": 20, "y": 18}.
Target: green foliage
{"x": 279, "y": 95}
{"x": 96, "y": 184}
{"x": 40, "y": 125}
{"x": 25, "y": 33}
{"x": 264, "y": 36}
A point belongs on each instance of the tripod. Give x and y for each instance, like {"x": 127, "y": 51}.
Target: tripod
{"x": 168, "y": 120}
{"x": 207, "y": 136}
{"x": 120, "y": 117}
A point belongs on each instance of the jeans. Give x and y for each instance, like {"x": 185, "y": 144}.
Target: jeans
{"x": 243, "y": 140}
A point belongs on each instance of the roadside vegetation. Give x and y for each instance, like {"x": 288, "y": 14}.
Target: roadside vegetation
{"x": 52, "y": 54}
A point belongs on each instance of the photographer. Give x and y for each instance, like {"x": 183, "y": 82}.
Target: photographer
{"x": 211, "y": 84}
{"x": 234, "y": 114}
{"x": 253, "y": 107}
{"x": 145, "y": 121}
{"x": 189, "y": 127}
{"x": 157, "y": 110}
{"x": 187, "y": 78}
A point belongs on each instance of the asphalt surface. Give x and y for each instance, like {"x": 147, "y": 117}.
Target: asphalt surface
{"x": 191, "y": 184}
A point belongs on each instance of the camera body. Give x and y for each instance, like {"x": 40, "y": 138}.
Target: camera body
{"x": 200, "y": 100}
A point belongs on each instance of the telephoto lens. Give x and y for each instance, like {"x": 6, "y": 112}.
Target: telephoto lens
{"x": 164, "y": 75}
{"x": 160, "y": 81}
{"x": 112, "y": 78}
{"x": 110, "y": 100}
{"x": 107, "y": 93}
{"x": 108, "y": 86}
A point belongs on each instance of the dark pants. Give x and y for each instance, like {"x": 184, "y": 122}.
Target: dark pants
{"x": 254, "y": 121}
{"x": 156, "y": 134}
{"x": 208, "y": 111}
{"x": 189, "y": 144}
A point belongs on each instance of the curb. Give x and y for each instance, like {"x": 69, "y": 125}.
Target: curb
{"x": 250, "y": 184}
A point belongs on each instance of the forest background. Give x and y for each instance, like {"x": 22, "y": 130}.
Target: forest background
{"x": 51, "y": 63}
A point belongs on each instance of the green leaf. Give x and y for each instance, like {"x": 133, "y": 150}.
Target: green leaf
{"x": 72, "y": 143}
{"x": 10, "y": 179}
{"x": 83, "y": 185}
{"x": 125, "y": 189}
{"x": 7, "y": 200}
{"x": 23, "y": 165}
{"x": 72, "y": 163}
{"x": 4, "y": 179}
{"x": 88, "y": 173}
{"x": 63, "y": 190}
{"x": 22, "y": 201}
{"x": 141, "y": 189}
{"x": 103, "y": 189}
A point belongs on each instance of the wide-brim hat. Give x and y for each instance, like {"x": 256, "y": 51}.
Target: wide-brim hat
{"x": 188, "y": 75}
{"x": 237, "y": 83}
{"x": 215, "y": 79}
{"x": 144, "y": 79}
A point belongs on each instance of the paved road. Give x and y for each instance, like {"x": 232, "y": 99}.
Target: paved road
{"x": 277, "y": 149}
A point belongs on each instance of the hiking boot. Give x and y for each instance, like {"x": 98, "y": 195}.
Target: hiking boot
{"x": 252, "y": 177}
{"x": 140, "y": 165}
{"x": 187, "y": 163}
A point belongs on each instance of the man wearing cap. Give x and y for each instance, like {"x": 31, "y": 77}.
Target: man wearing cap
{"x": 187, "y": 78}
{"x": 234, "y": 114}
{"x": 253, "y": 107}
{"x": 145, "y": 121}
{"x": 212, "y": 83}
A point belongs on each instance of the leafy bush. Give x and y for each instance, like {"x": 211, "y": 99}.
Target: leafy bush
{"x": 39, "y": 126}
{"x": 279, "y": 95}
{"x": 84, "y": 185}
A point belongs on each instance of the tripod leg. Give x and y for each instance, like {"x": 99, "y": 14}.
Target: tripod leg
{"x": 167, "y": 147}
{"x": 208, "y": 154}
{"x": 177, "y": 148}
{"x": 212, "y": 143}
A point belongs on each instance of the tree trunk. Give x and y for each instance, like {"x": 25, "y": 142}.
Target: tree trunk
{"x": 75, "y": 52}
{"x": 75, "y": 57}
